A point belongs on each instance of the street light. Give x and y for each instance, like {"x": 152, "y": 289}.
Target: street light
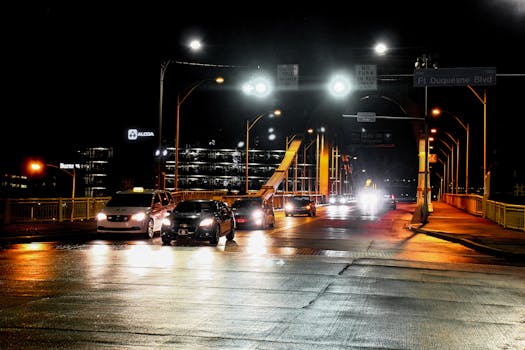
{"x": 249, "y": 126}
{"x": 289, "y": 140}
{"x": 194, "y": 45}
{"x": 451, "y": 149}
{"x": 457, "y": 157}
{"x": 306, "y": 147}
{"x": 424, "y": 63}
{"x": 437, "y": 112}
{"x": 37, "y": 166}
{"x": 446, "y": 170}
{"x": 160, "y": 154}
{"x": 483, "y": 100}
{"x": 189, "y": 90}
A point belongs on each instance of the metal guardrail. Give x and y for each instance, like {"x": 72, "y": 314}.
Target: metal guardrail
{"x": 27, "y": 210}
{"x": 21, "y": 210}
{"x": 39, "y": 210}
{"x": 509, "y": 216}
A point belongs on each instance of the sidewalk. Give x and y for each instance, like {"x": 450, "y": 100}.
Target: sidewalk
{"x": 455, "y": 225}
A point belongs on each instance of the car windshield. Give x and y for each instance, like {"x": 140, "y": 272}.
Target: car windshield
{"x": 246, "y": 204}
{"x": 193, "y": 207}
{"x": 130, "y": 200}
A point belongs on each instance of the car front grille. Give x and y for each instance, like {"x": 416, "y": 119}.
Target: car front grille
{"x": 188, "y": 224}
{"x": 119, "y": 218}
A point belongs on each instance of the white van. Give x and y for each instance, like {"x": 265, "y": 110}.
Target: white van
{"x": 135, "y": 211}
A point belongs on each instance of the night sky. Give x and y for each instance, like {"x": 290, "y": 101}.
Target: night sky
{"x": 82, "y": 74}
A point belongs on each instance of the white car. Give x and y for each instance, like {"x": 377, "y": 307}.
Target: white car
{"x": 138, "y": 211}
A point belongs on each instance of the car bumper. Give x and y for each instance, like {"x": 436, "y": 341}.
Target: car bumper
{"x": 198, "y": 234}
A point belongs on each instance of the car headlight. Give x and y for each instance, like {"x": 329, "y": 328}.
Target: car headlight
{"x": 138, "y": 216}
{"x": 257, "y": 213}
{"x": 101, "y": 216}
{"x": 166, "y": 222}
{"x": 206, "y": 222}
{"x": 288, "y": 206}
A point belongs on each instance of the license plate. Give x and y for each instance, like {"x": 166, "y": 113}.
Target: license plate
{"x": 183, "y": 231}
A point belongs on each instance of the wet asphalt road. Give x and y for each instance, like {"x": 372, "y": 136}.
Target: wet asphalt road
{"x": 336, "y": 281}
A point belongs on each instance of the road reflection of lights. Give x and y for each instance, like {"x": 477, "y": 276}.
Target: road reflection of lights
{"x": 201, "y": 256}
{"x": 337, "y": 210}
{"x": 98, "y": 250}
{"x": 98, "y": 259}
{"x": 256, "y": 243}
{"x": 164, "y": 257}
{"x": 288, "y": 251}
{"x": 139, "y": 256}
{"x": 35, "y": 246}
{"x": 31, "y": 264}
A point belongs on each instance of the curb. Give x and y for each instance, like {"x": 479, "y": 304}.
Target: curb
{"x": 470, "y": 244}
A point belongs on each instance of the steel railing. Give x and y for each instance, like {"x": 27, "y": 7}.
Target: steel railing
{"x": 22, "y": 210}
{"x": 509, "y": 216}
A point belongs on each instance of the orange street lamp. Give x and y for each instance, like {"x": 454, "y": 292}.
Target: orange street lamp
{"x": 180, "y": 100}
{"x": 36, "y": 166}
{"x": 436, "y": 112}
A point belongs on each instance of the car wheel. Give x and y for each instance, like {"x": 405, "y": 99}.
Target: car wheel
{"x": 231, "y": 235}
{"x": 214, "y": 239}
{"x": 166, "y": 241}
{"x": 151, "y": 229}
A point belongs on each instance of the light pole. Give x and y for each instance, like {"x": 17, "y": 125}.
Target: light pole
{"x": 446, "y": 166}
{"x": 163, "y": 66}
{"x": 180, "y": 100}
{"x": 306, "y": 147}
{"x": 194, "y": 45}
{"x": 424, "y": 62}
{"x": 249, "y": 126}
{"x": 38, "y": 167}
{"x": 466, "y": 127}
{"x": 457, "y": 158}
{"x": 483, "y": 100}
{"x": 289, "y": 140}
{"x": 451, "y": 149}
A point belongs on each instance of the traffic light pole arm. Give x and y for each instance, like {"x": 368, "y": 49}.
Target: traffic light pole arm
{"x": 251, "y": 124}
{"x": 73, "y": 174}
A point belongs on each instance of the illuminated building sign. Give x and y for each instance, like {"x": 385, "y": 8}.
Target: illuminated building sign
{"x": 134, "y": 134}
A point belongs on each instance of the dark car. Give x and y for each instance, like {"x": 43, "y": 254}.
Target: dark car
{"x": 299, "y": 206}
{"x": 199, "y": 219}
{"x": 391, "y": 201}
{"x": 253, "y": 212}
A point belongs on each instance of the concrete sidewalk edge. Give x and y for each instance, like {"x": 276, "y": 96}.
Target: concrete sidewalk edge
{"x": 513, "y": 256}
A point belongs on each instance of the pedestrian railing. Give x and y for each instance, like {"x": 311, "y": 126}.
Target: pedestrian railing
{"x": 22, "y": 210}
{"x": 510, "y": 216}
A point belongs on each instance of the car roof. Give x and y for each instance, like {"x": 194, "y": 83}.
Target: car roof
{"x": 249, "y": 199}
{"x": 139, "y": 190}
